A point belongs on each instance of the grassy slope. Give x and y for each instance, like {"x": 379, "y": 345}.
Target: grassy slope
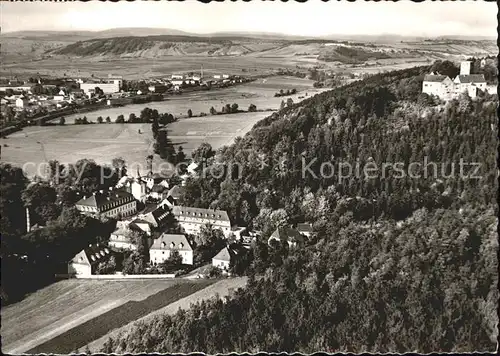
{"x": 99, "y": 326}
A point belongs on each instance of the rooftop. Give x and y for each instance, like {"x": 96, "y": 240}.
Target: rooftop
{"x": 169, "y": 241}
{"x": 434, "y": 78}
{"x": 103, "y": 200}
{"x": 201, "y": 213}
{"x": 471, "y": 78}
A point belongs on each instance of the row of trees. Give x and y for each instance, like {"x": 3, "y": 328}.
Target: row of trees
{"x": 285, "y": 93}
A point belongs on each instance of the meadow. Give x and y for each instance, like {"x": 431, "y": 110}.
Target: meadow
{"x": 64, "y": 305}
{"x": 33, "y": 146}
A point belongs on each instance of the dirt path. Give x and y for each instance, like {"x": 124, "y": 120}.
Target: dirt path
{"x": 221, "y": 288}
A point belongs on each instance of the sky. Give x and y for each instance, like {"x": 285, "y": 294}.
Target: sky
{"x": 314, "y": 18}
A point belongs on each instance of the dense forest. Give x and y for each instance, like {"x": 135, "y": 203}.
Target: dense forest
{"x": 35, "y": 256}
{"x": 396, "y": 262}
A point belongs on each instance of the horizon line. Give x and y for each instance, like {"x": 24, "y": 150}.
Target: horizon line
{"x": 190, "y": 33}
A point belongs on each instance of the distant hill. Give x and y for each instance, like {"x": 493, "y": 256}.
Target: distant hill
{"x": 160, "y": 45}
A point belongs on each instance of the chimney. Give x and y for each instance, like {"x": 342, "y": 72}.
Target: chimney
{"x": 28, "y": 224}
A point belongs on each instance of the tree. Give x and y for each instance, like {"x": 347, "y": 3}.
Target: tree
{"x": 282, "y": 105}
{"x": 234, "y": 108}
{"x": 120, "y": 119}
{"x": 100, "y": 120}
{"x": 213, "y": 111}
{"x": 132, "y": 118}
{"x": 289, "y": 102}
{"x": 119, "y": 165}
{"x": 174, "y": 261}
{"x": 108, "y": 119}
{"x": 252, "y": 108}
{"x": 190, "y": 113}
{"x": 164, "y": 147}
{"x": 181, "y": 156}
{"x": 62, "y": 121}
{"x": 203, "y": 152}
{"x": 155, "y": 127}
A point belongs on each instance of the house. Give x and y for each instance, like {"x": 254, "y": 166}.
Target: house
{"x": 178, "y": 82}
{"x": 238, "y": 232}
{"x": 439, "y": 85}
{"x": 305, "y": 229}
{"x": 141, "y": 225}
{"x": 227, "y": 256}
{"x": 164, "y": 245}
{"x": 158, "y": 191}
{"x": 86, "y": 261}
{"x": 111, "y": 204}
{"x": 192, "y": 219}
{"x": 120, "y": 237}
{"x": 174, "y": 194}
{"x": 470, "y": 83}
{"x": 177, "y": 76}
{"x": 291, "y": 235}
{"x": 138, "y": 188}
{"x": 22, "y": 102}
{"x": 155, "y": 215}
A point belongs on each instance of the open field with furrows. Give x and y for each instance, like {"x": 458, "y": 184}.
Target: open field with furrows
{"x": 219, "y": 289}
{"x": 64, "y": 305}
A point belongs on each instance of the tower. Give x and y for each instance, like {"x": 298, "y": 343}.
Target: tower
{"x": 465, "y": 68}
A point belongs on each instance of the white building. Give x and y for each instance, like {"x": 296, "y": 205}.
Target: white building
{"x": 192, "y": 219}
{"x": 120, "y": 237}
{"x": 85, "y": 262}
{"x": 111, "y": 204}
{"x": 22, "y": 102}
{"x": 164, "y": 245}
{"x": 439, "y": 85}
{"x": 445, "y": 88}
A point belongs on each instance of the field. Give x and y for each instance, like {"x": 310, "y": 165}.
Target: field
{"x": 220, "y": 289}
{"x": 103, "y": 142}
{"x": 62, "y": 306}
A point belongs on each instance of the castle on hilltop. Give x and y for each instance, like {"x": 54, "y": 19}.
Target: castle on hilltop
{"x": 447, "y": 89}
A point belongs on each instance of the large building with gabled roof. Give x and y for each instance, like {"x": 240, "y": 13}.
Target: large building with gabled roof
{"x": 167, "y": 243}
{"x": 192, "y": 219}
{"x": 110, "y": 203}
{"x": 86, "y": 261}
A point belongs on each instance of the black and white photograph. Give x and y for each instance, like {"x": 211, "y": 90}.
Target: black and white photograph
{"x": 249, "y": 176}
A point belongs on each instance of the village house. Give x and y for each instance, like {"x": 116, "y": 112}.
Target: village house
{"x": 22, "y": 102}
{"x": 227, "y": 256}
{"x": 111, "y": 204}
{"x": 288, "y": 234}
{"x": 155, "y": 215}
{"x": 85, "y": 262}
{"x": 173, "y": 196}
{"x": 120, "y": 237}
{"x": 305, "y": 229}
{"x": 192, "y": 219}
{"x": 167, "y": 243}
